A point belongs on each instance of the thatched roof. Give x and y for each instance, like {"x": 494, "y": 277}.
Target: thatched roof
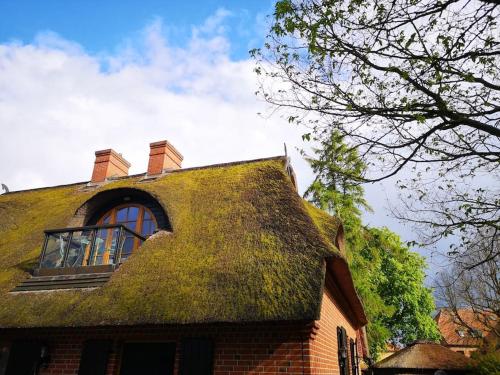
{"x": 243, "y": 247}
{"x": 422, "y": 355}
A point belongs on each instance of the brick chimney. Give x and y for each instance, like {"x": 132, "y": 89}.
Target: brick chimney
{"x": 163, "y": 156}
{"x": 109, "y": 163}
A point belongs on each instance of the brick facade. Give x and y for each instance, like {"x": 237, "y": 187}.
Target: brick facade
{"x": 239, "y": 348}
{"x": 267, "y": 348}
{"x": 323, "y": 344}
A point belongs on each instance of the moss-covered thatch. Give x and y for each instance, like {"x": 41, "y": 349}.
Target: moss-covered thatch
{"x": 244, "y": 247}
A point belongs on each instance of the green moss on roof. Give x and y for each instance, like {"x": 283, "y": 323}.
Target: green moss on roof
{"x": 244, "y": 247}
{"x": 327, "y": 224}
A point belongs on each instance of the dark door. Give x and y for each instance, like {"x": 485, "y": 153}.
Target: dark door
{"x": 24, "y": 358}
{"x": 197, "y": 357}
{"x": 94, "y": 358}
{"x": 148, "y": 358}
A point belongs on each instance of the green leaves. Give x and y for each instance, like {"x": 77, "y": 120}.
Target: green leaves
{"x": 388, "y": 276}
{"x": 283, "y": 8}
{"x": 396, "y": 276}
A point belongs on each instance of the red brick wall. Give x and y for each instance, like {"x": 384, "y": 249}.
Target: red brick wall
{"x": 267, "y": 348}
{"x": 323, "y": 348}
{"x": 239, "y": 349}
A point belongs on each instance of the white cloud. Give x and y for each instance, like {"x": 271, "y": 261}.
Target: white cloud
{"x": 58, "y": 105}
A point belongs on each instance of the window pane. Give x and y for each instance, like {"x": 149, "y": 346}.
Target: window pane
{"x": 146, "y": 228}
{"x": 128, "y": 247}
{"x": 147, "y": 216}
{"x": 100, "y": 243}
{"x": 133, "y": 213}
{"x": 105, "y": 246}
{"x": 79, "y": 248}
{"x": 54, "y": 252}
{"x": 111, "y": 250}
{"x": 107, "y": 219}
{"x": 121, "y": 215}
{"x": 130, "y": 224}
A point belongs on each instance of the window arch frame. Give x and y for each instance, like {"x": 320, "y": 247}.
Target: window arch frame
{"x": 140, "y": 216}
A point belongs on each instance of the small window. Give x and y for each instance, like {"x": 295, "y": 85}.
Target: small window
{"x": 476, "y": 333}
{"x": 461, "y": 333}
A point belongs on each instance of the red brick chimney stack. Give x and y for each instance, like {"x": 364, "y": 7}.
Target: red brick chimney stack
{"x": 163, "y": 156}
{"x": 109, "y": 163}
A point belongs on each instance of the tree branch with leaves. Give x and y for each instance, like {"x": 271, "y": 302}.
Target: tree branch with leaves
{"x": 413, "y": 86}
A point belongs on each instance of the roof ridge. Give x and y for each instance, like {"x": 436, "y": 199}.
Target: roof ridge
{"x": 217, "y": 165}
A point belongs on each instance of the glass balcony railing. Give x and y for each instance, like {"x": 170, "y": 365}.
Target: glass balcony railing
{"x": 88, "y": 246}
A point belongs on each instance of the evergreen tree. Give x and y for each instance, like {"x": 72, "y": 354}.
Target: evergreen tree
{"x": 388, "y": 276}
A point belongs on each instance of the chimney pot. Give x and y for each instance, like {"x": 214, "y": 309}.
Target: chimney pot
{"x": 109, "y": 163}
{"x": 162, "y": 156}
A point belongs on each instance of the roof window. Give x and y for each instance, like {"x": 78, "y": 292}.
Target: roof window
{"x": 461, "y": 332}
{"x": 104, "y": 232}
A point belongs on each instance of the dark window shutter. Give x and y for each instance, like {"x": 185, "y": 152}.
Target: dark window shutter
{"x": 197, "y": 357}
{"x": 24, "y": 358}
{"x": 148, "y": 358}
{"x": 357, "y": 355}
{"x": 346, "y": 346}
{"x": 354, "y": 366}
{"x": 343, "y": 351}
{"x": 94, "y": 358}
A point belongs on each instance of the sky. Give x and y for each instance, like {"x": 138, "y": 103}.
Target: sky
{"x": 81, "y": 76}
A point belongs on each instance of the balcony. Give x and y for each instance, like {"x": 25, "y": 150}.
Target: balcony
{"x": 91, "y": 249}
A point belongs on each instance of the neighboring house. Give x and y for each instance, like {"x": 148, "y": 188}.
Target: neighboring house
{"x": 422, "y": 357}
{"x": 220, "y": 269}
{"x": 464, "y": 333}
{"x": 390, "y": 349}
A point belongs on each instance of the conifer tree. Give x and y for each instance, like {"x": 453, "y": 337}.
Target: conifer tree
{"x": 388, "y": 276}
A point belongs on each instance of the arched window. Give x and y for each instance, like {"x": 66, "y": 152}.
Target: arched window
{"x": 104, "y": 231}
{"x": 135, "y": 217}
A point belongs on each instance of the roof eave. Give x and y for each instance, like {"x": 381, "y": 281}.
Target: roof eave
{"x": 342, "y": 275}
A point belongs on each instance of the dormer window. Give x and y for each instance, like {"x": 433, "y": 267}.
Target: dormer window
{"x": 117, "y": 234}
{"x": 112, "y": 225}
{"x": 476, "y": 333}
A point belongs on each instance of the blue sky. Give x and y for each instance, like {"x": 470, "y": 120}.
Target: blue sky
{"x": 81, "y": 76}
{"x": 103, "y": 25}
